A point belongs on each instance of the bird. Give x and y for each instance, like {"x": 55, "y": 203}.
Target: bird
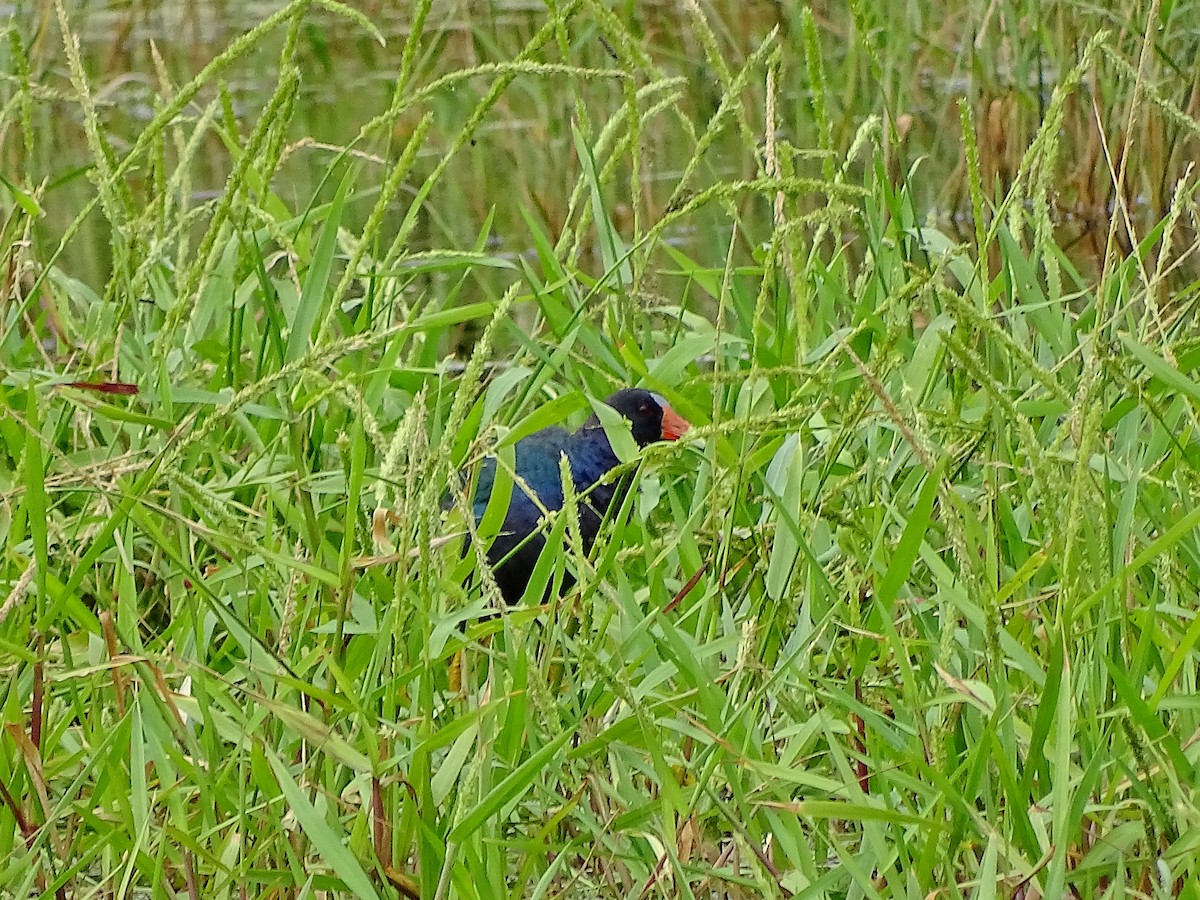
{"x": 514, "y": 551}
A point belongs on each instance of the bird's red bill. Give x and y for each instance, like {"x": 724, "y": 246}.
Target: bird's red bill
{"x": 674, "y": 426}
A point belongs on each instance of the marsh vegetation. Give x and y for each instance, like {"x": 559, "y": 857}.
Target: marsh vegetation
{"x": 910, "y": 611}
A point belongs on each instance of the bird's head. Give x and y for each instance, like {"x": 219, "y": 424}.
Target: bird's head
{"x": 651, "y": 418}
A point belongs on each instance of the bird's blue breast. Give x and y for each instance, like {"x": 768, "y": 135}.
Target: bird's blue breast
{"x": 591, "y": 457}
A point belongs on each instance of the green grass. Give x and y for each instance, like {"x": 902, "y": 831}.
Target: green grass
{"x": 910, "y": 612}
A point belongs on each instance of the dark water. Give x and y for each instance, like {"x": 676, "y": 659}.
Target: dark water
{"x": 522, "y": 156}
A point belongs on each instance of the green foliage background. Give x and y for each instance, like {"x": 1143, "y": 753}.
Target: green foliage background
{"x": 911, "y": 610}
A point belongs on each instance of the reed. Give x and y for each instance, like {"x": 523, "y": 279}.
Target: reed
{"x": 909, "y": 611}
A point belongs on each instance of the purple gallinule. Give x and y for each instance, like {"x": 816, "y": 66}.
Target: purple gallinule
{"x": 515, "y": 550}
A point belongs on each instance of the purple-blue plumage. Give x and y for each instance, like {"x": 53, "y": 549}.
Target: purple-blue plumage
{"x": 515, "y": 550}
